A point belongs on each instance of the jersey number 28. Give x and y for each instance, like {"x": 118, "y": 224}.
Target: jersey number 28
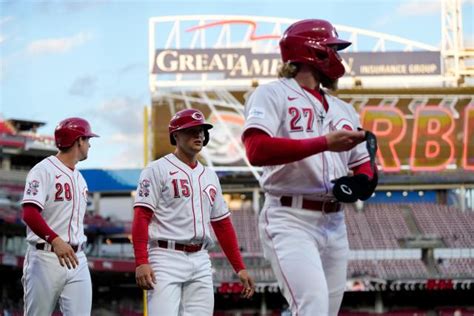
{"x": 66, "y": 188}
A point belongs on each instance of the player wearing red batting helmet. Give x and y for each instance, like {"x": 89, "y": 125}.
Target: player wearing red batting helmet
{"x": 314, "y": 42}
{"x": 307, "y": 142}
{"x": 70, "y": 129}
{"x": 54, "y": 205}
{"x": 186, "y": 119}
{"x": 178, "y": 200}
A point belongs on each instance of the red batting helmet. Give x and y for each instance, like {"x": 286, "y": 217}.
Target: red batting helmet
{"x": 186, "y": 119}
{"x": 310, "y": 42}
{"x": 70, "y": 129}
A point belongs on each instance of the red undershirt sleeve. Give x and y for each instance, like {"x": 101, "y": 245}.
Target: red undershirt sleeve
{"x": 227, "y": 238}
{"x": 366, "y": 169}
{"x": 32, "y": 217}
{"x": 141, "y": 220}
{"x": 264, "y": 150}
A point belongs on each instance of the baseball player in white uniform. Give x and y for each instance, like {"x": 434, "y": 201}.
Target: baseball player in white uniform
{"x": 177, "y": 201}
{"x": 54, "y": 204}
{"x": 307, "y": 142}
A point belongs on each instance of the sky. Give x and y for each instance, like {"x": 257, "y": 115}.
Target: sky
{"x": 89, "y": 58}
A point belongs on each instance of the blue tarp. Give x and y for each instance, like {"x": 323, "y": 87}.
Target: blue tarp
{"x": 120, "y": 180}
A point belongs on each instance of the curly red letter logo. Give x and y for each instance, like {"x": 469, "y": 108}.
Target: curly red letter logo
{"x": 211, "y": 192}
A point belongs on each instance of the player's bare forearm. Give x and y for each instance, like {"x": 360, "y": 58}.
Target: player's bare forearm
{"x": 65, "y": 253}
{"x": 248, "y": 283}
{"x": 145, "y": 277}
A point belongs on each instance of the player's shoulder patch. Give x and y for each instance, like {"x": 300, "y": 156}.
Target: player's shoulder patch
{"x": 256, "y": 112}
{"x": 144, "y": 188}
{"x": 32, "y": 187}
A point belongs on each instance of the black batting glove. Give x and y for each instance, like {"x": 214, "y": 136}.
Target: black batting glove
{"x": 350, "y": 189}
{"x": 367, "y": 192}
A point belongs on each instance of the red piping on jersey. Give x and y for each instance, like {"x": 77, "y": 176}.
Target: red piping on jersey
{"x": 73, "y": 200}
{"x": 256, "y": 126}
{"x": 192, "y": 194}
{"x": 360, "y": 159}
{"x": 151, "y": 207}
{"x": 26, "y": 275}
{"x": 319, "y": 96}
{"x": 296, "y": 91}
{"x": 33, "y": 202}
{"x": 219, "y": 217}
{"x": 78, "y": 207}
{"x": 323, "y": 158}
{"x": 200, "y": 197}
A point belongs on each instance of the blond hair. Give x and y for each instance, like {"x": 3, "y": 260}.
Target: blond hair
{"x": 290, "y": 70}
{"x": 287, "y": 70}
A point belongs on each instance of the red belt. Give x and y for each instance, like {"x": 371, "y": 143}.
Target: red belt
{"x": 321, "y": 206}
{"x": 47, "y": 247}
{"x": 177, "y": 246}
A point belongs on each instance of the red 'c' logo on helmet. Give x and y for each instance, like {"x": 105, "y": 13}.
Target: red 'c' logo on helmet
{"x": 197, "y": 116}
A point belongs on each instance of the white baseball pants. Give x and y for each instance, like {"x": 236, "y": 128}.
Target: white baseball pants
{"x": 45, "y": 282}
{"x": 308, "y": 251}
{"x": 184, "y": 283}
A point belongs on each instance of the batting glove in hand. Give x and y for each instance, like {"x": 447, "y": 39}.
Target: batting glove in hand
{"x": 358, "y": 187}
{"x": 350, "y": 189}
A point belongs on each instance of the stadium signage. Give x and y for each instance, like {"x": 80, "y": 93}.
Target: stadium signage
{"x": 431, "y": 139}
{"x": 234, "y": 62}
{"x": 238, "y": 63}
{"x": 393, "y": 63}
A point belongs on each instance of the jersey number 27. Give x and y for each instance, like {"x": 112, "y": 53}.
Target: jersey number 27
{"x": 296, "y": 115}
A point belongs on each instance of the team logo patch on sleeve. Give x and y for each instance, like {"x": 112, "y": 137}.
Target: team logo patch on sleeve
{"x": 33, "y": 187}
{"x": 211, "y": 192}
{"x": 144, "y": 188}
{"x": 257, "y": 112}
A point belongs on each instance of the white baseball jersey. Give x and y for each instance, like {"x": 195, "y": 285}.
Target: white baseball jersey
{"x": 283, "y": 108}
{"x": 61, "y": 193}
{"x": 184, "y": 200}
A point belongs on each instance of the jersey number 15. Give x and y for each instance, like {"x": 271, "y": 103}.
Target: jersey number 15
{"x": 184, "y": 184}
